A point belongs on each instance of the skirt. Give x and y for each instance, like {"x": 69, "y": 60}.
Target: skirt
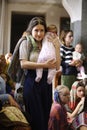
{"x": 68, "y": 80}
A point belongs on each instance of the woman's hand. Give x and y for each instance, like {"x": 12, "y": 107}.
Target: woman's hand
{"x": 13, "y": 102}
{"x": 72, "y": 63}
{"x": 76, "y": 63}
{"x": 69, "y": 117}
{"x": 50, "y": 63}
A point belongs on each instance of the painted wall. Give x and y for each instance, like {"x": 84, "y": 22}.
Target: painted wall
{"x": 53, "y": 12}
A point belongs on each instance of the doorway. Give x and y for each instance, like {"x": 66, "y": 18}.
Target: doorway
{"x": 19, "y": 23}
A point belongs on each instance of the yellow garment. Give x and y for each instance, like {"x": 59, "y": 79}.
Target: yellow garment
{"x": 14, "y": 114}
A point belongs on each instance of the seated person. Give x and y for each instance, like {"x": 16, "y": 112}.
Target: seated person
{"x": 77, "y": 104}
{"x": 58, "y": 113}
{"x": 8, "y": 88}
{"x": 11, "y": 117}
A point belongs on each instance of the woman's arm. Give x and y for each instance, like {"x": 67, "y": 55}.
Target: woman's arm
{"x": 75, "y": 112}
{"x": 33, "y": 65}
{"x": 26, "y": 64}
{"x": 7, "y": 97}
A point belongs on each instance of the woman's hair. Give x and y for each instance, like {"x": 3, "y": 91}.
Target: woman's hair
{"x": 65, "y": 32}
{"x": 59, "y": 89}
{"x": 73, "y": 91}
{"x": 2, "y": 63}
{"x": 81, "y": 83}
{"x": 36, "y": 21}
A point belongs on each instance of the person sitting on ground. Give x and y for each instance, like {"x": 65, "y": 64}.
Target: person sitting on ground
{"x": 58, "y": 113}
{"x": 11, "y": 117}
{"x": 8, "y": 88}
{"x": 78, "y": 105}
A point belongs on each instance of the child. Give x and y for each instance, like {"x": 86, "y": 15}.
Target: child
{"x": 78, "y": 105}
{"x": 8, "y": 89}
{"x": 58, "y": 113}
{"x": 78, "y": 54}
{"x": 47, "y": 52}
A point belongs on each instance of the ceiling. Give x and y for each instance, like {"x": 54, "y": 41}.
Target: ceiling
{"x": 36, "y": 1}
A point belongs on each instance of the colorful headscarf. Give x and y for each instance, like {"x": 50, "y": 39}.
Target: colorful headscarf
{"x": 58, "y": 90}
{"x": 73, "y": 96}
{"x": 56, "y": 96}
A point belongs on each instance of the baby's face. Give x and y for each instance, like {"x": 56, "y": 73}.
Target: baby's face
{"x": 78, "y": 48}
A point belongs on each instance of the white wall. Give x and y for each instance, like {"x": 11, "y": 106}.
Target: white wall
{"x": 74, "y": 9}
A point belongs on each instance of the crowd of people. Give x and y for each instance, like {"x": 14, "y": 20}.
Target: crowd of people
{"x": 42, "y": 110}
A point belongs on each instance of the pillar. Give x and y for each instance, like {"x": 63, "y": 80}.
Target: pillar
{"x": 77, "y": 10}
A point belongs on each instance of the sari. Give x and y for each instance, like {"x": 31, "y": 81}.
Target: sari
{"x": 81, "y": 117}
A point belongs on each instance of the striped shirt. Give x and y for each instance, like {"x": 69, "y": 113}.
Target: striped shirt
{"x": 66, "y": 58}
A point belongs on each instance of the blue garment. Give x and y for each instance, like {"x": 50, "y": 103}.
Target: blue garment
{"x": 3, "y": 95}
{"x": 38, "y": 100}
{"x": 2, "y": 86}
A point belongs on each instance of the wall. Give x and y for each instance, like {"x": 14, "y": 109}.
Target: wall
{"x": 53, "y": 12}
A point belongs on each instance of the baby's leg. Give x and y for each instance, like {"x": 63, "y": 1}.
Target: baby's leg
{"x": 38, "y": 74}
{"x": 82, "y": 70}
{"x": 51, "y": 74}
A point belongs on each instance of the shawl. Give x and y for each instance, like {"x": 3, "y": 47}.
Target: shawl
{"x": 73, "y": 95}
{"x": 73, "y": 98}
{"x": 58, "y": 115}
{"x": 14, "y": 70}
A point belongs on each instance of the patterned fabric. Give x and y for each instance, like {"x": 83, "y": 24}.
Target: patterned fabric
{"x": 58, "y": 115}
{"x": 56, "y": 97}
{"x": 14, "y": 70}
{"x": 73, "y": 95}
{"x": 58, "y": 118}
{"x": 11, "y": 118}
{"x": 73, "y": 100}
{"x": 14, "y": 114}
{"x": 81, "y": 117}
{"x": 80, "y": 120}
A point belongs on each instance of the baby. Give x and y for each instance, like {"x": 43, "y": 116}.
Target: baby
{"x": 47, "y": 52}
{"x": 79, "y": 55}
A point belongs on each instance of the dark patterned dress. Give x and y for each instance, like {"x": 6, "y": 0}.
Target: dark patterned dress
{"x": 58, "y": 118}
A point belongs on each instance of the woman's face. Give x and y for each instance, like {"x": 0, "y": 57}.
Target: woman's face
{"x": 80, "y": 92}
{"x": 65, "y": 96}
{"x": 38, "y": 32}
{"x": 68, "y": 39}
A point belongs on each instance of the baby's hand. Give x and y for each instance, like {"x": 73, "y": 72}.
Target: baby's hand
{"x": 55, "y": 40}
